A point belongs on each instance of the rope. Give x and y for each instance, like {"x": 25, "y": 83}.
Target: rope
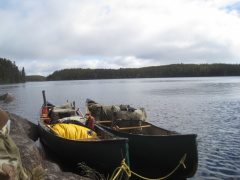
{"x": 124, "y": 168}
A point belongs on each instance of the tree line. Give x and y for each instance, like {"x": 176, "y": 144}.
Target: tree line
{"x": 9, "y": 72}
{"x": 35, "y": 78}
{"x": 173, "y": 70}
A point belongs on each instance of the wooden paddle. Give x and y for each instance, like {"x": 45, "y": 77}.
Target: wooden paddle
{"x": 135, "y": 127}
{"x": 103, "y": 121}
{"x": 125, "y": 128}
{"x": 52, "y": 130}
{"x": 80, "y": 112}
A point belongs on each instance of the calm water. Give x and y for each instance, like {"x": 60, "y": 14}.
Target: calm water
{"x": 209, "y": 107}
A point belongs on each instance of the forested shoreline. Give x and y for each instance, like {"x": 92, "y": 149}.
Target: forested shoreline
{"x": 173, "y": 70}
{"x": 35, "y": 78}
{"x": 9, "y": 72}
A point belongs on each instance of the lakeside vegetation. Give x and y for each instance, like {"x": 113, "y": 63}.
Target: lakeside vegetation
{"x": 9, "y": 72}
{"x": 173, "y": 70}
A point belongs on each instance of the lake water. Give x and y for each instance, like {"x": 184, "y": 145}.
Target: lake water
{"x": 208, "y": 107}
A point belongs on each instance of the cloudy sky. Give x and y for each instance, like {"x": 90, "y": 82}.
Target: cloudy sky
{"x": 47, "y": 35}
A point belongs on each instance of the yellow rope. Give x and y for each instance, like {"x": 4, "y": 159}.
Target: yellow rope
{"x": 124, "y": 168}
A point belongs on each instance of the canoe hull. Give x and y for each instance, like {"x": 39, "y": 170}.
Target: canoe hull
{"x": 155, "y": 156}
{"x": 154, "y": 152}
{"x": 104, "y": 155}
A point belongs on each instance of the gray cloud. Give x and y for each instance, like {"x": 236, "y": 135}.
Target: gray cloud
{"x": 44, "y": 36}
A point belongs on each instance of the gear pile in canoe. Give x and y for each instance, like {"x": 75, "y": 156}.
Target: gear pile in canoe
{"x": 74, "y": 138}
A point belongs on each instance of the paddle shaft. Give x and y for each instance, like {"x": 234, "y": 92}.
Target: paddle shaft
{"x": 80, "y": 112}
{"x": 52, "y": 130}
{"x": 135, "y": 127}
{"x": 104, "y": 121}
{"x": 125, "y": 128}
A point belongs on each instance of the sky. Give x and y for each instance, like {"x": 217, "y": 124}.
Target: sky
{"x": 48, "y": 35}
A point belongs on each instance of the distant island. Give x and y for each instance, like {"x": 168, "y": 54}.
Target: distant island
{"x": 173, "y": 70}
{"x": 9, "y": 72}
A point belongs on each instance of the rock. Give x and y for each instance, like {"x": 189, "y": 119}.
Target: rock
{"x": 50, "y": 167}
{"x": 7, "y": 97}
{"x": 53, "y": 172}
{"x": 24, "y": 134}
{"x": 63, "y": 176}
{"x": 30, "y": 129}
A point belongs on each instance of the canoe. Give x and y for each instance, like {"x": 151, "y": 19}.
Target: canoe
{"x": 154, "y": 152}
{"x": 104, "y": 154}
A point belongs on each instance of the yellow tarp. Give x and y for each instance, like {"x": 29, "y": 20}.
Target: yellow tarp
{"x": 72, "y": 131}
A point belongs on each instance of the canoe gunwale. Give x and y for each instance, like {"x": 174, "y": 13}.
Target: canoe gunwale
{"x": 156, "y": 136}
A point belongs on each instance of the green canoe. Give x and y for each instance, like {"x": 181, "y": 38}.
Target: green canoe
{"x": 155, "y": 152}
{"x": 104, "y": 154}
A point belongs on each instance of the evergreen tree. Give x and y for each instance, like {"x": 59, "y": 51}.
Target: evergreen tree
{"x": 9, "y": 72}
{"x": 23, "y": 75}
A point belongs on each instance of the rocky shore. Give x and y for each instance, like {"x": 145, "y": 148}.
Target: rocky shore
{"x": 24, "y": 133}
